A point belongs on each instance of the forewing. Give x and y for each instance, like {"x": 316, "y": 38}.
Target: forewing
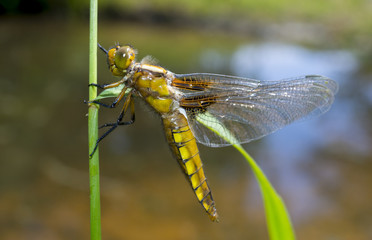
{"x": 250, "y": 109}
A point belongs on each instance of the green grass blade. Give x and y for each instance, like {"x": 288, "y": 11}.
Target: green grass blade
{"x": 278, "y": 221}
{"x": 95, "y": 209}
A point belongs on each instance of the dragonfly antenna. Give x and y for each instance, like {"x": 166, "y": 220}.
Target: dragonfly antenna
{"x": 102, "y": 48}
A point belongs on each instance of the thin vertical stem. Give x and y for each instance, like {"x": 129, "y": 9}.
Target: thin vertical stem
{"x": 95, "y": 209}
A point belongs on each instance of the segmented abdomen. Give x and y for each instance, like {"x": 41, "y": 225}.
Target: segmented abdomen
{"x": 183, "y": 145}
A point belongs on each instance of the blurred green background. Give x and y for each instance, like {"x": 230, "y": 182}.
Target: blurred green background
{"x": 321, "y": 167}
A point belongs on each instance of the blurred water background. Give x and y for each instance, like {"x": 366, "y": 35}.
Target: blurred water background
{"x": 321, "y": 167}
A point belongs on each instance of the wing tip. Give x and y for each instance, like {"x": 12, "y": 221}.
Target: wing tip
{"x": 325, "y": 82}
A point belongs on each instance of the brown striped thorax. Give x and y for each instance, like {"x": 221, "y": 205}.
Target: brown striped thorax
{"x": 211, "y": 109}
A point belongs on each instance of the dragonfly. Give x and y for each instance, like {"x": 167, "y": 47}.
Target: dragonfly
{"x": 197, "y": 107}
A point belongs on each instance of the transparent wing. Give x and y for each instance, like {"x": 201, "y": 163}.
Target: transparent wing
{"x": 248, "y": 108}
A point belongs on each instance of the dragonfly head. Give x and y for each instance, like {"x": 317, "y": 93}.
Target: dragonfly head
{"x": 120, "y": 58}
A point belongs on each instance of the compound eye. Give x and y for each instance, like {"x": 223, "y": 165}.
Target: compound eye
{"x": 124, "y": 56}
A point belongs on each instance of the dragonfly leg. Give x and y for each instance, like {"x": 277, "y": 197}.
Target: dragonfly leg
{"x": 110, "y": 85}
{"x": 120, "y": 118}
{"x": 128, "y": 101}
{"x": 115, "y": 102}
{"x": 97, "y": 85}
{"x": 102, "y": 104}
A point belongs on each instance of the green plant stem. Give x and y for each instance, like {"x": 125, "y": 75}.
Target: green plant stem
{"x": 95, "y": 209}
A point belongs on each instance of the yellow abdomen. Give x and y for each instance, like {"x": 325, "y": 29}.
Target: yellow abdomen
{"x": 154, "y": 89}
{"x": 183, "y": 145}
